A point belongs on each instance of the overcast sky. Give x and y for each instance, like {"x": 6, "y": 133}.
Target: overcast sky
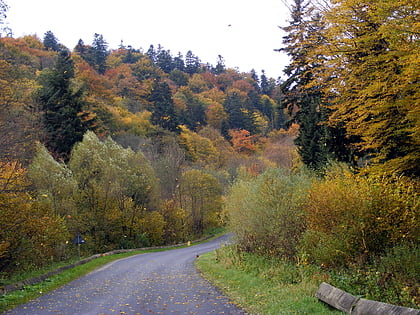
{"x": 244, "y": 32}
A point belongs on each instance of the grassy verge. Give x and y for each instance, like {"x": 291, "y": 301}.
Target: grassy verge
{"x": 262, "y": 286}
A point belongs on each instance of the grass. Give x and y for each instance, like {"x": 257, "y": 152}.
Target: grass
{"x": 262, "y": 286}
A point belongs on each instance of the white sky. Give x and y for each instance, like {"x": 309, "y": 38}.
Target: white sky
{"x": 201, "y": 26}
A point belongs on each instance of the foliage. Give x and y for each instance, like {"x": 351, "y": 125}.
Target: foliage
{"x": 266, "y": 212}
{"x": 115, "y": 187}
{"x": 62, "y": 106}
{"x": 200, "y": 196}
{"x": 351, "y": 217}
{"x": 392, "y": 278}
{"x": 30, "y": 233}
{"x": 372, "y": 59}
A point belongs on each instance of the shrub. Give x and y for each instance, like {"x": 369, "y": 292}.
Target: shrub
{"x": 266, "y": 213}
{"x": 353, "y": 217}
{"x": 392, "y": 278}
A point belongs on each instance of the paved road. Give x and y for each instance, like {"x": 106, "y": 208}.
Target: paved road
{"x": 153, "y": 283}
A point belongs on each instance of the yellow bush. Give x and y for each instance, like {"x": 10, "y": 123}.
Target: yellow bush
{"x": 350, "y": 217}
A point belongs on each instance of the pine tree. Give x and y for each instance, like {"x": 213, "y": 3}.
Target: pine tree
{"x": 163, "y": 112}
{"x": 192, "y": 63}
{"x": 51, "y": 42}
{"x": 298, "y": 94}
{"x": 99, "y": 53}
{"x": 62, "y": 106}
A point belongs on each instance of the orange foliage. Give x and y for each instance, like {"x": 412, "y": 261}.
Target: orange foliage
{"x": 243, "y": 86}
{"x": 242, "y": 141}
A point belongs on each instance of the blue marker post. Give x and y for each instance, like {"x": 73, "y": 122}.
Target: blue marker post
{"x": 78, "y": 240}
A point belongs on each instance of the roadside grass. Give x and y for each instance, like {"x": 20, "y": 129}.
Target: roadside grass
{"x": 30, "y": 292}
{"x": 264, "y": 286}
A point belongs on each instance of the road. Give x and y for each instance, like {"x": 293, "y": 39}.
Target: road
{"x": 152, "y": 283}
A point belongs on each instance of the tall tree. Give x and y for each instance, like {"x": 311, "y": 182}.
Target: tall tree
{"x": 51, "y": 42}
{"x": 62, "y": 106}
{"x": 192, "y": 63}
{"x": 3, "y": 9}
{"x": 163, "y": 112}
{"x": 99, "y": 53}
{"x": 303, "y": 94}
{"x": 372, "y": 50}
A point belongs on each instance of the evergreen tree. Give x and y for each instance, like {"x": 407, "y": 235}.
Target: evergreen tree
{"x": 192, "y": 63}
{"x": 163, "y": 112}
{"x": 265, "y": 86}
{"x": 220, "y": 66}
{"x": 239, "y": 117}
{"x": 62, "y": 107}
{"x": 164, "y": 61}
{"x": 179, "y": 62}
{"x": 98, "y": 53}
{"x": 152, "y": 54}
{"x": 51, "y": 42}
{"x": 3, "y": 9}
{"x": 302, "y": 92}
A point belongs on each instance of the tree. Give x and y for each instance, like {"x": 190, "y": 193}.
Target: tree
{"x": 62, "y": 106}
{"x": 116, "y": 186}
{"x": 372, "y": 70}
{"x": 220, "y": 66}
{"x": 3, "y": 9}
{"x": 163, "y": 113}
{"x": 200, "y": 195}
{"x": 99, "y": 53}
{"x": 30, "y": 234}
{"x": 192, "y": 63}
{"x": 51, "y": 42}
{"x": 302, "y": 91}
{"x": 164, "y": 61}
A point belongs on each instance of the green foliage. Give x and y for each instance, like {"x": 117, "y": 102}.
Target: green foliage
{"x": 391, "y": 278}
{"x": 115, "y": 187}
{"x": 266, "y": 214}
{"x": 62, "y": 107}
{"x": 53, "y": 182}
{"x": 200, "y": 196}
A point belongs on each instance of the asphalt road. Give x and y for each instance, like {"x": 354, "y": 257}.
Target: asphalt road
{"x": 153, "y": 283}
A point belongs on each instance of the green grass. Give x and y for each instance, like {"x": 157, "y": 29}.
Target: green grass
{"x": 262, "y": 286}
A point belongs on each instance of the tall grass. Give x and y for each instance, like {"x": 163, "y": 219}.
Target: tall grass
{"x": 263, "y": 285}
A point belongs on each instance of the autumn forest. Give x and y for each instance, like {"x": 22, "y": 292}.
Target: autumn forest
{"x": 135, "y": 147}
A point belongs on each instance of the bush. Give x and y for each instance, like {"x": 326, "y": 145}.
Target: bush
{"x": 392, "y": 278}
{"x": 352, "y": 217}
{"x": 266, "y": 213}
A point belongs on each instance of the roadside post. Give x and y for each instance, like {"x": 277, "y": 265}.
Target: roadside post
{"x": 78, "y": 240}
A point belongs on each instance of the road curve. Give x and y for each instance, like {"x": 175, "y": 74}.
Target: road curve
{"x": 153, "y": 283}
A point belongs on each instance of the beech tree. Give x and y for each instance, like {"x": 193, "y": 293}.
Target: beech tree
{"x": 372, "y": 70}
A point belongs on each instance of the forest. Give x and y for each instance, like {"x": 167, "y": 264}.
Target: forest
{"x": 134, "y": 147}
